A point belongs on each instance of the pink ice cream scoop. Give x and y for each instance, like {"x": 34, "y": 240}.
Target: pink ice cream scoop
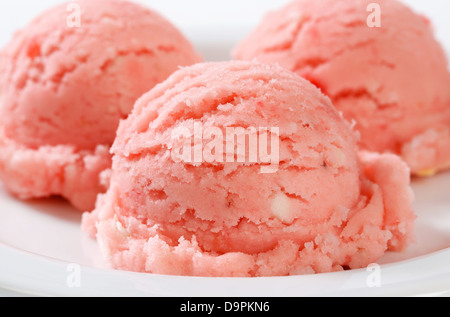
{"x": 66, "y": 81}
{"x": 380, "y": 64}
{"x": 245, "y": 169}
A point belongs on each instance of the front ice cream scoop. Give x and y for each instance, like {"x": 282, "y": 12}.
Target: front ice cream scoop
{"x": 380, "y": 64}
{"x": 66, "y": 80}
{"x": 298, "y": 199}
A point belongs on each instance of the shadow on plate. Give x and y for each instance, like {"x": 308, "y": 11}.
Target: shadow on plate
{"x": 55, "y": 207}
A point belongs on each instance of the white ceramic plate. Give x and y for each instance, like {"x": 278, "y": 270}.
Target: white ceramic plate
{"x": 44, "y": 252}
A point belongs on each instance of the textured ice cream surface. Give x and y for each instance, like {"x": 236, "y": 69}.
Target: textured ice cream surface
{"x": 325, "y": 208}
{"x": 393, "y": 80}
{"x": 64, "y": 88}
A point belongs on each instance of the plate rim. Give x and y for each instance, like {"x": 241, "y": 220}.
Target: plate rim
{"x": 347, "y": 283}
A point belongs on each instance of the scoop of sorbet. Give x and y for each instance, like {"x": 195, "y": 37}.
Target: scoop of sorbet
{"x": 66, "y": 80}
{"x": 380, "y": 64}
{"x": 315, "y": 206}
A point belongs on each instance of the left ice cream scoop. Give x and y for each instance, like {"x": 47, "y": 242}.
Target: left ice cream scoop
{"x": 64, "y": 88}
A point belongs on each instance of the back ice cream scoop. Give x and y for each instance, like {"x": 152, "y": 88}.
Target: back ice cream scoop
{"x": 380, "y": 64}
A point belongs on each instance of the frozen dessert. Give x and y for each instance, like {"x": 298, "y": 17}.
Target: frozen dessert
{"x": 66, "y": 80}
{"x": 380, "y": 64}
{"x": 289, "y": 194}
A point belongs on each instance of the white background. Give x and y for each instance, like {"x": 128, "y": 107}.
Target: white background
{"x": 230, "y": 20}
